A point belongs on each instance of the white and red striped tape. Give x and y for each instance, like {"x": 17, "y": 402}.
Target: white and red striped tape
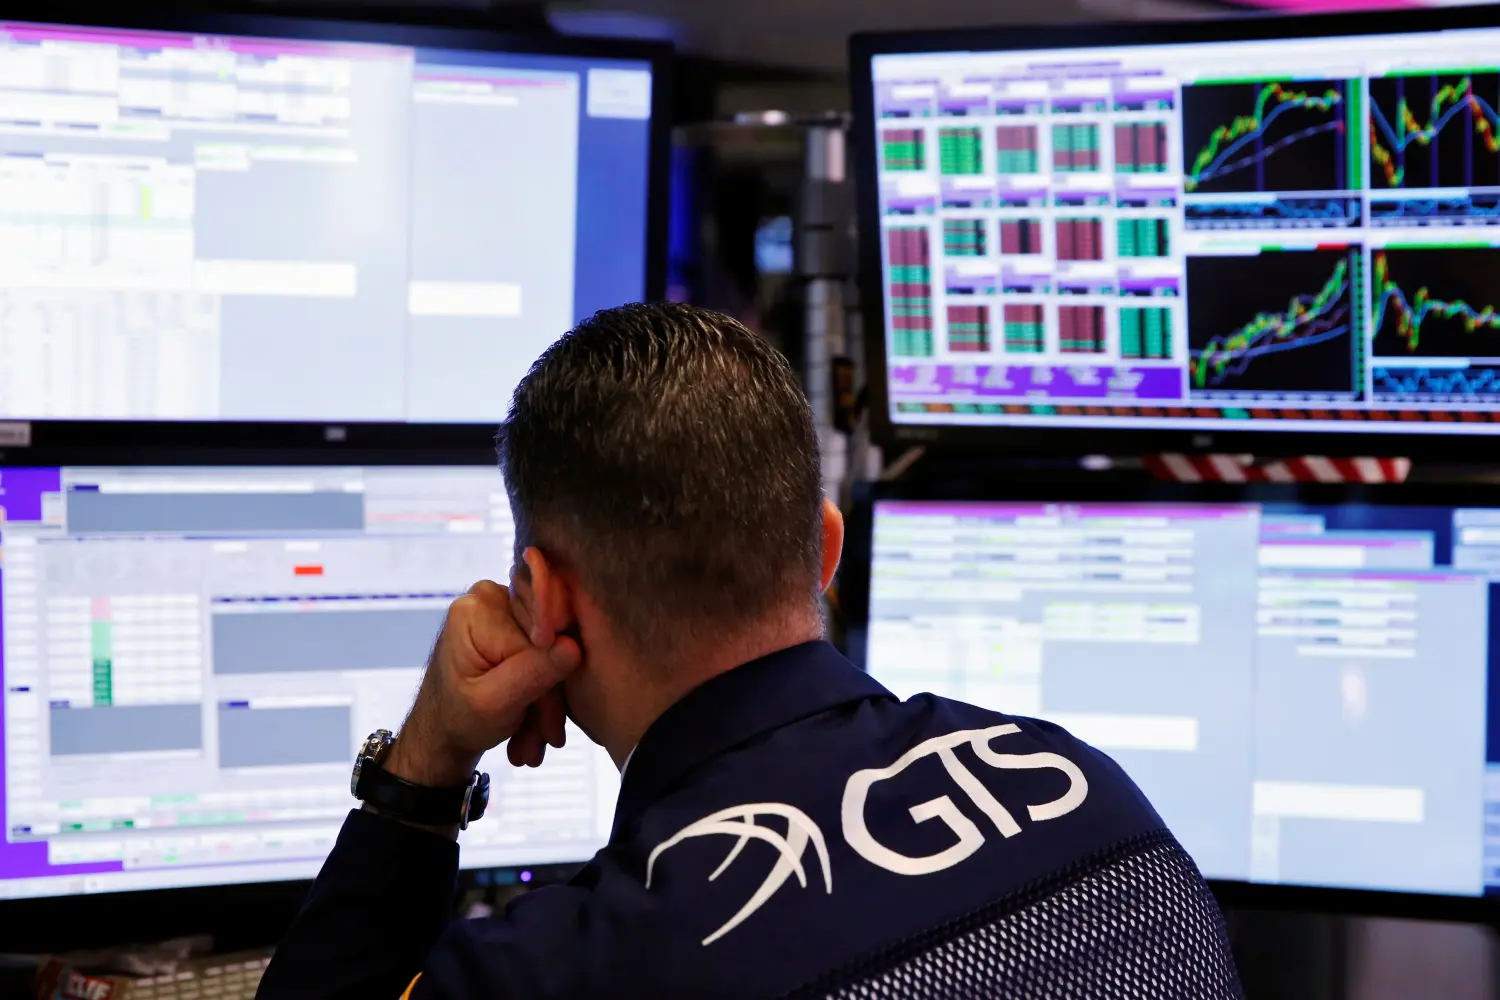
{"x": 1176, "y": 468}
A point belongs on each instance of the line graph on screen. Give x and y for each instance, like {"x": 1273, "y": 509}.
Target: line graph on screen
{"x": 1286, "y": 336}
{"x": 1436, "y": 302}
{"x": 1451, "y": 140}
{"x": 1279, "y": 136}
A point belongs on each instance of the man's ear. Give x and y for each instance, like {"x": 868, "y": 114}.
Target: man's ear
{"x": 551, "y": 599}
{"x": 833, "y": 541}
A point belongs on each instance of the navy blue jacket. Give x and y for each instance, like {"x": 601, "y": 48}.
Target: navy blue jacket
{"x": 781, "y": 821}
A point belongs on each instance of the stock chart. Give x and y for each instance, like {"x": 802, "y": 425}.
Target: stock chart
{"x": 1436, "y": 302}
{"x": 1434, "y": 131}
{"x": 1279, "y": 322}
{"x": 1265, "y": 136}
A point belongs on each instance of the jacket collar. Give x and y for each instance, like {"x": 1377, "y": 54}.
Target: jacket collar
{"x": 733, "y": 708}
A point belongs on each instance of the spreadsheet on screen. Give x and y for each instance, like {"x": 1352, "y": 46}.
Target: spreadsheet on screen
{"x": 191, "y": 658}
{"x": 241, "y": 228}
{"x": 1304, "y": 692}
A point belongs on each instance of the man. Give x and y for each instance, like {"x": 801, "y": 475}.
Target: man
{"x": 784, "y": 822}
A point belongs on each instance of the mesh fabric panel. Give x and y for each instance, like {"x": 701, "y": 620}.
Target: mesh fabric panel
{"x": 1141, "y": 925}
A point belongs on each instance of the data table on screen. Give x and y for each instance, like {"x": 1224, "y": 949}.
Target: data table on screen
{"x": 279, "y": 229}
{"x": 191, "y": 658}
{"x": 1255, "y": 667}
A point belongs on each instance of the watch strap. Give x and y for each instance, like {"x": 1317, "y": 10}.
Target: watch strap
{"x": 422, "y": 804}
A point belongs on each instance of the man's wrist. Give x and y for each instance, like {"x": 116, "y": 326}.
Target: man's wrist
{"x": 415, "y": 760}
{"x": 429, "y": 763}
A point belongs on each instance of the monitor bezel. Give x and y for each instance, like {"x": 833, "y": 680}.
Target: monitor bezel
{"x": 1118, "y": 439}
{"x": 413, "y": 27}
{"x": 854, "y": 602}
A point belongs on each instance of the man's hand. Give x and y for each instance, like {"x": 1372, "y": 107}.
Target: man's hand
{"x": 485, "y": 684}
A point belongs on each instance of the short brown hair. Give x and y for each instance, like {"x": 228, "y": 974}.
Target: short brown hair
{"x": 667, "y": 454}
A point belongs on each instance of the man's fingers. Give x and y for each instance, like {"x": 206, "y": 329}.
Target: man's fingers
{"x": 522, "y": 679}
{"x": 516, "y": 750}
{"x": 519, "y": 749}
{"x": 552, "y": 717}
{"x": 484, "y": 616}
{"x": 512, "y": 748}
{"x": 487, "y": 590}
{"x": 501, "y": 677}
{"x": 527, "y": 747}
{"x": 566, "y": 654}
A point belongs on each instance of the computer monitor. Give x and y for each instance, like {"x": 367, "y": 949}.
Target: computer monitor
{"x": 192, "y": 655}
{"x": 211, "y": 218}
{"x": 1175, "y": 233}
{"x": 1304, "y": 683}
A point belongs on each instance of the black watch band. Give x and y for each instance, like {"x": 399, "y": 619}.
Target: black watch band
{"x": 400, "y": 799}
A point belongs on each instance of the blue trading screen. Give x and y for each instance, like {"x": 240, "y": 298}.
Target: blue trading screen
{"x": 191, "y": 657}
{"x": 1302, "y": 691}
{"x": 238, "y": 228}
{"x": 1290, "y": 234}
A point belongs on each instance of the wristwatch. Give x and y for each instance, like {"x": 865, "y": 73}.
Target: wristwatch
{"x": 411, "y": 803}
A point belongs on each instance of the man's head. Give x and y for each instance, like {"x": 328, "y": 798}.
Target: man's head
{"x": 663, "y": 473}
